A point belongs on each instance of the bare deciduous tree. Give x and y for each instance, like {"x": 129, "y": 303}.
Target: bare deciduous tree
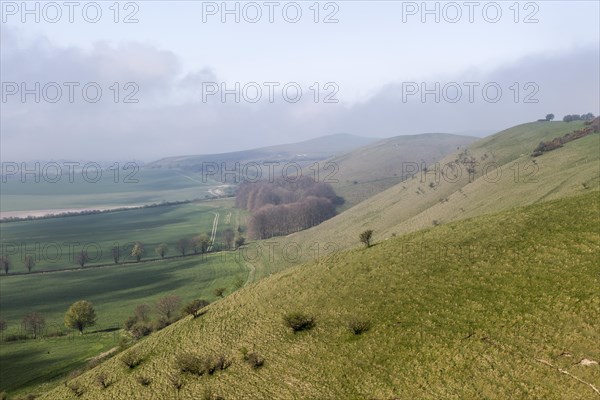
{"x": 116, "y": 253}
{"x": 183, "y": 245}
{"x": 167, "y": 306}
{"x": 365, "y": 237}
{"x": 29, "y": 262}
{"x": 34, "y": 322}
{"x": 82, "y": 258}
{"x": 5, "y": 263}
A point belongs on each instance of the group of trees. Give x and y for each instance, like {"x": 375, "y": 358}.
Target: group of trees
{"x": 570, "y": 117}
{"x": 284, "y": 206}
{"x": 167, "y": 310}
{"x": 577, "y": 117}
{"x": 593, "y": 126}
{"x": 197, "y": 244}
{"x": 271, "y": 220}
{"x": 6, "y": 263}
{"x": 80, "y": 315}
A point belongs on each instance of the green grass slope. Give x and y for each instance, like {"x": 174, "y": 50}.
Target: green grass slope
{"x": 416, "y": 203}
{"x": 373, "y": 168}
{"x": 498, "y": 306}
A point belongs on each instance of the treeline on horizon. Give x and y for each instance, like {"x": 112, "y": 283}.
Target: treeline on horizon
{"x": 285, "y": 206}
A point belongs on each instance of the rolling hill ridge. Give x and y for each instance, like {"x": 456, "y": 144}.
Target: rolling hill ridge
{"x": 310, "y": 150}
{"x": 505, "y": 175}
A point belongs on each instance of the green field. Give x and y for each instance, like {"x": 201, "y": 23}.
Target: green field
{"x": 35, "y": 366}
{"x": 114, "y": 291}
{"x": 55, "y": 242}
{"x": 146, "y": 186}
{"x": 514, "y": 318}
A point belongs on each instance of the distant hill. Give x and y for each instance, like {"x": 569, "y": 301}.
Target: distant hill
{"x": 372, "y": 168}
{"x": 498, "y": 306}
{"x": 423, "y": 201}
{"x": 306, "y": 151}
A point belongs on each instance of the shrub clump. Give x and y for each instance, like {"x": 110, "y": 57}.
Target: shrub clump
{"x": 76, "y": 388}
{"x": 255, "y": 360}
{"x": 15, "y": 337}
{"x": 140, "y": 329}
{"x": 209, "y": 395}
{"x": 143, "y": 380}
{"x": 200, "y": 365}
{"x": 102, "y": 380}
{"x": 132, "y": 359}
{"x": 175, "y": 380}
{"x": 298, "y": 321}
{"x": 161, "y": 323}
{"x": 366, "y": 237}
{"x": 194, "y": 308}
{"x": 359, "y": 326}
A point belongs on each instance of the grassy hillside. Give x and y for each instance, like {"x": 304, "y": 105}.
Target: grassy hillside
{"x": 456, "y": 194}
{"x": 489, "y": 307}
{"x": 375, "y": 167}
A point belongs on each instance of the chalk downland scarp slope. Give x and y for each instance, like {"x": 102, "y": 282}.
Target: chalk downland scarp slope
{"x": 505, "y": 176}
{"x": 512, "y": 298}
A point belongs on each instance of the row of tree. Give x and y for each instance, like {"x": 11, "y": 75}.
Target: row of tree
{"x": 577, "y": 117}
{"x": 198, "y": 245}
{"x": 570, "y": 117}
{"x": 283, "y": 206}
{"x": 592, "y": 127}
{"x": 6, "y": 263}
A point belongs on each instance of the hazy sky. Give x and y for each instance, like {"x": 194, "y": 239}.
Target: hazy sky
{"x": 509, "y": 62}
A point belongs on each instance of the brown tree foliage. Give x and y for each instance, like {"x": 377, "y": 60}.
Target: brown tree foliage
{"x": 283, "y": 206}
{"x": 593, "y": 126}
